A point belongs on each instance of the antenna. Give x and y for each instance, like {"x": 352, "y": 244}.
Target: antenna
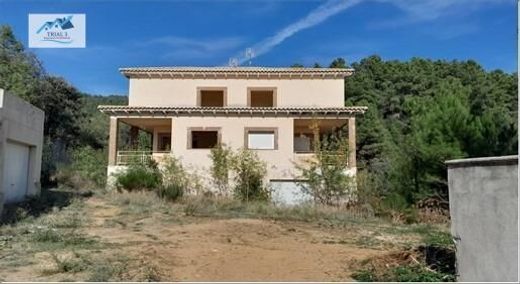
{"x": 233, "y": 62}
{"x": 250, "y": 54}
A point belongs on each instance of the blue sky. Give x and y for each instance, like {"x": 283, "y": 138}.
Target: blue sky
{"x": 208, "y": 33}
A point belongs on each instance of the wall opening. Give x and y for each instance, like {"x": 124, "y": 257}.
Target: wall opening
{"x": 204, "y": 139}
{"x": 262, "y": 98}
{"x": 211, "y": 98}
{"x": 164, "y": 141}
{"x": 261, "y": 139}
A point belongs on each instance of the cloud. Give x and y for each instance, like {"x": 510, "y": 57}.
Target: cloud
{"x": 428, "y": 10}
{"x": 315, "y": 17}
{"x": 188, "y": 48}
{"x": 415, "y": 11}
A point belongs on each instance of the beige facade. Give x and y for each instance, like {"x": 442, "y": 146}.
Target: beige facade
{"x": 268, "y": 110}
{"x": 21, "y": 140}
{"x": 289, "y": 92}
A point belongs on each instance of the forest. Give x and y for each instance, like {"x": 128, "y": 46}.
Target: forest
{"x": 421, "y": 113}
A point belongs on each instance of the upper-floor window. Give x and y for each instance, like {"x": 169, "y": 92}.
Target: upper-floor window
{"x": 261, "y": 97}
{"x": 211, "y": 97}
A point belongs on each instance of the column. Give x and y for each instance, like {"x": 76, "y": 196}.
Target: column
{"x": 352, "y": 142}
{"x": 172, "y": 135}
{"x": 112, "y": 141}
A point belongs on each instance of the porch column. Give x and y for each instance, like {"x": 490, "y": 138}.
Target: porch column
{"x": 171, "y": 137}
{"x": 352, "y": 142}
{"x": 112, "y": 141}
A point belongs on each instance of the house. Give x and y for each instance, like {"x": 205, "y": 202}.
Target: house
{"x": 21, "y": 140}
{"x": 189, "y": 110}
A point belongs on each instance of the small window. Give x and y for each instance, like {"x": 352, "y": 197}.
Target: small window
{"x": 261, "y": 98}
{"x": 261, "y": 140}
{"x": 204, "y": 139}
{"x": 164, "y": 142}
{"x": 211, "y": 98}
{"x": 303, "y": 143}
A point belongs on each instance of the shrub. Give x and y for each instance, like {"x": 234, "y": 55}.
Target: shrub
{"x": 221, "y": 163}
{"x": 86, "y": 169}
{"x": 324, "y": 176}
{"x": 139, "y": 177}
{"x": 250, "y": 172}
{"x": 171, "y": 192}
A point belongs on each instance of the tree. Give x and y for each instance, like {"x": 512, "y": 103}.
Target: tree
{"x": 338, "y": 63}
{"x": 297, "y": 65}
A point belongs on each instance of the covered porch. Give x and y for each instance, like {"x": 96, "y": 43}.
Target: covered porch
{"x": 309, "y": 132}
{"x": 139, "y": 140}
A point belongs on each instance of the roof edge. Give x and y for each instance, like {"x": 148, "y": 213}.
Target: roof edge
{"x": 232, "y": 72}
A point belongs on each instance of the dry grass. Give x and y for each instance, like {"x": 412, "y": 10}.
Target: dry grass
{"x": 73, "y": 241}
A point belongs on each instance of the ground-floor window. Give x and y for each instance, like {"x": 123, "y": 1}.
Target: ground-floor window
{"x": 203, "y": 138}
{"x": 261, "y": 138}
{"x": 164, "y": 141}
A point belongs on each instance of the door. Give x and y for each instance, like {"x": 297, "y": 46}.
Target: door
{"x": 16, "y": 170}
{"x": 288, "y": 192}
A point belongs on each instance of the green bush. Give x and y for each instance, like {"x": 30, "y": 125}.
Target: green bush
{"x": 403, "y": 273}
{"x": 87, "y": 168}
{"x": 171, "y": 192}
{"x": 250, "y": 172}
{"x": 325, "y": 178}
{"x": 221, "y": 165}
{"x": 139, "y": 177}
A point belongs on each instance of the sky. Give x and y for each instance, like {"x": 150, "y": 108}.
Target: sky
{"x": 280, "y": 33}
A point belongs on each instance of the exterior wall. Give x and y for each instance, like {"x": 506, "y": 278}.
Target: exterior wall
{"x": 484, "y": 214}
{"x": 280, "y": 165}
{"x": 289, "y": 92}
{"x": 22, "y": 123}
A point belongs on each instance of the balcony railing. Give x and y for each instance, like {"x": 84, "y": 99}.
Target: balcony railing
{"x": 129, "y": 157}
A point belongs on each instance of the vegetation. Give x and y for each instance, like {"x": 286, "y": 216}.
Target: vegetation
{"x": 86, "y": 169}
{"x": 324, "y": 176}
{"x": 249, "y": 173}
{"x": 139, "y": 177}
{"x": 221, "y": 158}
{"x": 421, "y": 113}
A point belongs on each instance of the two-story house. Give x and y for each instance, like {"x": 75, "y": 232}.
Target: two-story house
{"x": 189, "y": 110}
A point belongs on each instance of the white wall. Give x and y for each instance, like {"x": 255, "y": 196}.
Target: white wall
{"x": 290, "y": 92}
{"x": 21, "y": 123}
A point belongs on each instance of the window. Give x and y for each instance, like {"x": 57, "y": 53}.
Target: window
{"x": 211, "y": 97}
{"x": 164, "y": 141}
{"x": 262, "y": 97}
{"x": 261, "y": 139}
{"x": 203, "y": 139}
{"x": 303, "y": 143}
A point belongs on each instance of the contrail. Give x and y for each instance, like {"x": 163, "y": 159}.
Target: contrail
{"x": 316, "y": 16}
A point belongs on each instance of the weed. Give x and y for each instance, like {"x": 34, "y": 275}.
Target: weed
{"x": 68, "y": 264}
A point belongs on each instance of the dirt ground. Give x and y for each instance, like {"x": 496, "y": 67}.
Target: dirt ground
{"x": 234, "y": 249}
{"x": 139, "y": 237}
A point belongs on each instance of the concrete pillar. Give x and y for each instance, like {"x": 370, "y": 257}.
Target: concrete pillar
{"x": 112, "y": 141}
{"x": 352, "y": 142}
{"x": 171, "y": 137}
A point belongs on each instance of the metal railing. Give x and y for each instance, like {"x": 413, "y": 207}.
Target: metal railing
{"x": 129, "y": 157}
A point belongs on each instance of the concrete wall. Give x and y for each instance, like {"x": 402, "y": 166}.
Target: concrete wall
{"x": 484, "y": 214}
{"x": 289, "y": 92}
{"x": 21, "y": 123}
